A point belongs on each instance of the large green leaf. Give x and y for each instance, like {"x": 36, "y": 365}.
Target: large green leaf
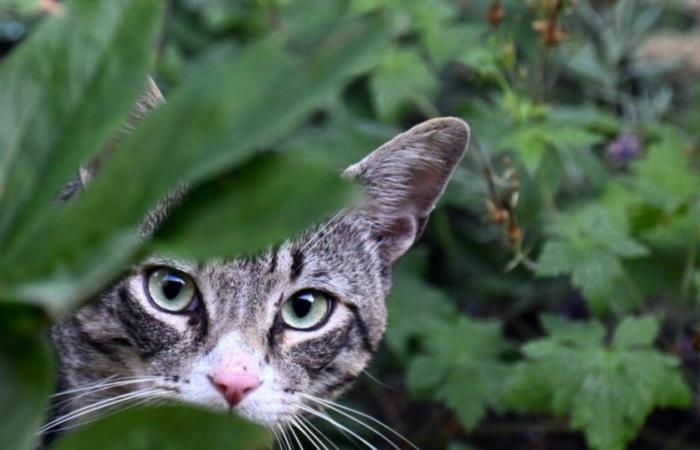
{"x": 217, "y": 120}
{"x": 262, "y": 202}
{"x": 25, "y": 377}
{"x": 462, "y": 367}
{"x": 167, "y": 428}
{"x": 590, "y": 246}
{"x": 62, "y": 92}
{"x": 664, "y": 177}
{"x": 608, "y": 391}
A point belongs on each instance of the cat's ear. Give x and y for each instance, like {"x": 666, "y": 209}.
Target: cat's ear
{"x": 149, "y": 99}
{"x": 404, "y": 179}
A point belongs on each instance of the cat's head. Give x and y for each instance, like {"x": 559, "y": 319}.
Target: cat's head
{"x": 266, "y": 335}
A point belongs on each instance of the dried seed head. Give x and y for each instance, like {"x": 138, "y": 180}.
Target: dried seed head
{"x": 496, "y": 13}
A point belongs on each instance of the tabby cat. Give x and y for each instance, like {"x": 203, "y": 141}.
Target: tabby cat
{"x": 272, "y": 337}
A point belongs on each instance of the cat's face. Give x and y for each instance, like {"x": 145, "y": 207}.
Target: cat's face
{"x": 257, "y": 335}
{"x": 264, "y": 336}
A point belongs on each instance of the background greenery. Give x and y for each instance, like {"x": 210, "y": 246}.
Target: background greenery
{"x": 554, "y": 299}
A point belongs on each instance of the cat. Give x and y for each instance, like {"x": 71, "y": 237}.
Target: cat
{"x": 269, "y": 337}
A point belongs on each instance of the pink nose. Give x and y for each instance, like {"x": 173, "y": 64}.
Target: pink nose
{"x": 234, "y": 385}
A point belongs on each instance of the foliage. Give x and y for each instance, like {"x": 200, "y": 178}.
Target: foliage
{"x": 607, "y": 389}
{"x": 66, "y": 90}
{"x": 463, "y": 350}
{"x": 559, "y": 277}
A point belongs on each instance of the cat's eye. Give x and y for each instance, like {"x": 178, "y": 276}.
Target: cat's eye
{"x": 306, "y": 310}
{"x": 171, "y": 290}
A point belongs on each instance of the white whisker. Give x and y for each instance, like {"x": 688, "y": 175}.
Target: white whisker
{"x": 326, "y": 227}
{"x": 288, "y": 444}
{"x": 334, "y": 422}
{"x": 142, "y": 402}
{"x": 319, "y": 432}
{"x": 277, "y": 439}
{"x": 294, "y": 435}
{"x": 105, "y": 382}
{"x": 305, "y": 433}
{"x": 87, "y": 391}
{"x": 102, "y": 404}
{"x": 337, "y": 407}
{"x": 378, "y": 381}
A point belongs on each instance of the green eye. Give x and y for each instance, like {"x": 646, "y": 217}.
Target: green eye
{"x": 306, "y": 310}
{"x": 171, "y": 291}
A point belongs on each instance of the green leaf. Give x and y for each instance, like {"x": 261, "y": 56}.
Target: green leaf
{"x": 454, "y": 353}
{"x": 664, "y": 177}
{"x": 167, "y": 428}
{"x": 282, "y": 194}
{"x": 636, "y": 332}
{"x": 558, "y": 257}
{"x": 583, "y": 334}
{"x": 216, "y": 120}
{"x": 64, "y": 90}
{"x": 415, "y": 307}
{"x": 26, "y": 377}
{"x": 446, "y": 43}
{"x": 589, "y": 245}
{"x": 607, "y": 391}
{"x": 401, "y": 79}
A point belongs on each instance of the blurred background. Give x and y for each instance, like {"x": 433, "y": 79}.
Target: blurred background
{"x": 553, "y": 300}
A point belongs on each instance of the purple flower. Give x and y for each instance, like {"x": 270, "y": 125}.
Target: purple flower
{"x": 624, "y": 148}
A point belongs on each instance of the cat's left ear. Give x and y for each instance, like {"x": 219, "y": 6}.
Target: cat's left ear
{"x": 404, "y": 179}
{"x": 150, "y": 99}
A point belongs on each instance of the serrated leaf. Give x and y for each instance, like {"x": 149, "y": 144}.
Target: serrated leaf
{"x": 557, "y": 258}
{"x": 636, "y": 331}
{"x": 465, "y": 350}
{"x": 607, "y": 390}
{"x": 584, "y": 334}
{"x": 590, "y": 246}
{"x": 664, "y": 177}
{"x": 533, "y": 139}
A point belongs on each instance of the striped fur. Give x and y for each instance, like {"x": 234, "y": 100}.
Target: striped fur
{"x": 121, "y": 335}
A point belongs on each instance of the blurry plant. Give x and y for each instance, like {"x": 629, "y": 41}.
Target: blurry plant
{"x": 64, "y": 93}
{"x": 462, "y": 368}
{"x": 587, "y": 171}
{"x": 608, "y": 389}
{"x": 607, "y": 63}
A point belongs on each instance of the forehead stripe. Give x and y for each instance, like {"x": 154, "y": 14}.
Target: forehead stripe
{"x": 273, "y": 260}
{"x": 297, "y": 264}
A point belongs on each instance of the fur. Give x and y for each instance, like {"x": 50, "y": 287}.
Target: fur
{"x": 120, "y": 334}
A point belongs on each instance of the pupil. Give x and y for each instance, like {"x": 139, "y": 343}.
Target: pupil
{"x": 172, "y": 287}
{"x": 302, "y": 306}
